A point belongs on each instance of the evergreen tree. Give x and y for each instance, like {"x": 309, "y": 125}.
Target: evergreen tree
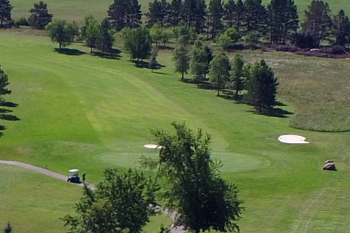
{"x": 8, "y": 228}
{"x": 261, "y": 86}
{"x": 5, "y": 13}
{"x": 215, "y": 15}
{"x": 105, "y": 38}
{"x": 199, "y": 62}
{"x": 192, "y": 183}
{"x": 152, "y": 64}
{"x": 138, "y": 43}
{"x": 282, "y": 20}
{"x": 220, "y": 71}
{"x": 158, "y": 11}
{"x": 341, "y": 28}
{"x": 125, "y": 13}
{"x": 318, "y": 22}
{"x": 195, "y": 13}
{"x": 255, "y": 16}
{"x": 181, "y": 58}
{"x": 40, "y": 16}
{"x": 236, "y": 78}
{"x": 175, "y": 13}
{"x": 3, "y": 84}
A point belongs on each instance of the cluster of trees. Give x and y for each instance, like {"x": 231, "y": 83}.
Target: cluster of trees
{"x": 38, "y": 19}
{"x": 258, "y": 80}
{"x": 185, "y": 179}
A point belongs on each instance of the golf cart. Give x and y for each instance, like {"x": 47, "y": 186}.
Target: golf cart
{"x": 73, "y": 176}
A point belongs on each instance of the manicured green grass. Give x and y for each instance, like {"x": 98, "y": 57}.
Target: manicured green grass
{"x": 78, "y": 9}
{"x": 91, "y": 113}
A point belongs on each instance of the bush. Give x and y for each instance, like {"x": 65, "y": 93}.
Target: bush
{"x": 337, "y": 49}
{"x": 22, "y": 21}
{"x": 302, "y": 40}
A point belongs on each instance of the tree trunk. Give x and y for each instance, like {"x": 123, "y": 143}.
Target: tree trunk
{"x": 218, "y": 91}
{"x": 91, "y": 49}
{"x": 60, "y": 44}
{"x": 182, "y": 78}
{"x": 237, "y": 93}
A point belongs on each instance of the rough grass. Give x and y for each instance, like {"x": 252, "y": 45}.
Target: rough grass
{"x": 89, "y": 112}
{"x": 78, "y": 9}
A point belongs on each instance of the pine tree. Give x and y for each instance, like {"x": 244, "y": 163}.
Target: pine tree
{"x": 282, "y": 18}
{"x": 138, "y": 43}
{"x": 5, "y": 13}
{"x": 195, "y": 13}
{"x": 3, "y": 84}
{"x": 152, "y": 64}
{"x": 117, "y": 14}
{"x": 134, "y": 14}
{"x": 220, "y": 71}
{"x": 40, "y": 16}
{"x": 236, "y": 78}
{"x": 158, "y": 12}
{"x": 181, "y": 58}
{"x": 261, "y": 86}
{"x": 215, "y": 15}
{"x": 318, "y": 22}
{"x": 229, "y": 13}
{"x": 255, "y": 16}
{"x": 175, "y": 14}
{"x": 341, "y": 28}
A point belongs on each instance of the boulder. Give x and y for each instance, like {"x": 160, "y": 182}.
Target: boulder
{"x": 329, "y": 165}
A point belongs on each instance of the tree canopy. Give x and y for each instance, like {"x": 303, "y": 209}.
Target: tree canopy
{"x": 40, "y": 16}
{"x": 191, "y": 181}
{"x": 120, "y": 204}
{"x": 220, "y": 71}
{"x": 3, "y": 84}
{"x": 138, "y": 42}
{"x": 61, "y": 32}
{"x": 5, "y": 13}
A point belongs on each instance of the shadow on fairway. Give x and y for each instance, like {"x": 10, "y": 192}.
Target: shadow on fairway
{"x": 114, "y": 54}
{"x": 144, "y": 64}
{"x": 5, "y": 116}
{"x": 73, "y": 52}
{"x": 9, "y": 104}
{"x": 275, "y": 112}
{"x": 2, "y": 128}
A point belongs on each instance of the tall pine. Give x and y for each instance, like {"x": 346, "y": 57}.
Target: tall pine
{"x": 5, "y": 13}
{"x": 158, "y": 12}
{"x": 175, "y": 14}
{"x": 195, "y": 13}
{"x": 318, "y": 21}
{"x": 125, "y": 13}
{"x": 341, "y": 28}
{"x": 255, "y": 17}
{"x": 282, "y": 20}
{"x": 215, "y": 15}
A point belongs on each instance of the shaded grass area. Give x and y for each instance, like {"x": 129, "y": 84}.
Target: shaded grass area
{"x": 89, "y": 113}
{"x": 78, "y": 9}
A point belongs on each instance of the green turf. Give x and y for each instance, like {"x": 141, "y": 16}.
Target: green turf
{"x": 78, "y": 9}
{"x": 88, "y": 112}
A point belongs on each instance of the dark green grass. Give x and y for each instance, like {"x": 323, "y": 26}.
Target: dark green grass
{"x": 78, "y": 9}
{"x": 90, "y": 113}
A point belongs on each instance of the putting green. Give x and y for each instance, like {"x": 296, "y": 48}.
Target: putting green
{"x": 232, "y": 162}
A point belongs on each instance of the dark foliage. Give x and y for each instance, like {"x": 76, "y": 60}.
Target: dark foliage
{"x": 40, "y": 16}
{"x": 125, "y": 13}
{"x": 5, "y": 14}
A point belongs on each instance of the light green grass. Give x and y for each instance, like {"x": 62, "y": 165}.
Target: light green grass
{"x": 78, "y": 9}
{"x": 90, "y": 113}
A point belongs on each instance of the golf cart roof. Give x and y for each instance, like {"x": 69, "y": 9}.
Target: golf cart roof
{"x": 73, "y": 170}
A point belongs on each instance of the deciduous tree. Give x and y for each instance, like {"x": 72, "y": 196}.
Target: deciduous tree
{"x": 105, "y": 38}
{"x": 138, "y": 43}
{"x": 90, "y": 31}
{"x": 261, "y": 86}
{"x": 5, "y": 13}
{"x": 40, "y": 16}
{"x": 120, "y": 204}
{"x": 228, "y": 38}
{"x": 192, "y": 184}
{"x": 220, "y": 71}
{"x": 236, "y": 78}
{"x": 61, "y": 32}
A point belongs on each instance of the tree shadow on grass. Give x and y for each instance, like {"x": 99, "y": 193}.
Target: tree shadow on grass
{"x": 72, "y": 52}
{"x": 2, "y": 128}
{"x": 113, "y": 54}
{"x": 274, "y": 112}
{"x": 144, "y": 64}
{"x": 9, "y": 104}
{"x": 9, "y": 117}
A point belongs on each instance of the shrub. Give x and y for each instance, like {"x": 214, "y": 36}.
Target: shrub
{"x": 302, "y": 40}
{"x": 22, "y": 21}
{"x": 286, "y": 48}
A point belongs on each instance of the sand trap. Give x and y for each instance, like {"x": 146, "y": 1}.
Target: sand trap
{"x": 292, "y": 139}
{"x": 152, "y": 146}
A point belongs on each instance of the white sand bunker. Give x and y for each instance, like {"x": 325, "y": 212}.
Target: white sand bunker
{"x": 152, "y": 146}
{"x": 292, "y": 139}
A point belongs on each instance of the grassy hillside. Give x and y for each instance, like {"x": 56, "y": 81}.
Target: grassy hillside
{"x": 90, "y": 113}
{"x": 78, "y": 9}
